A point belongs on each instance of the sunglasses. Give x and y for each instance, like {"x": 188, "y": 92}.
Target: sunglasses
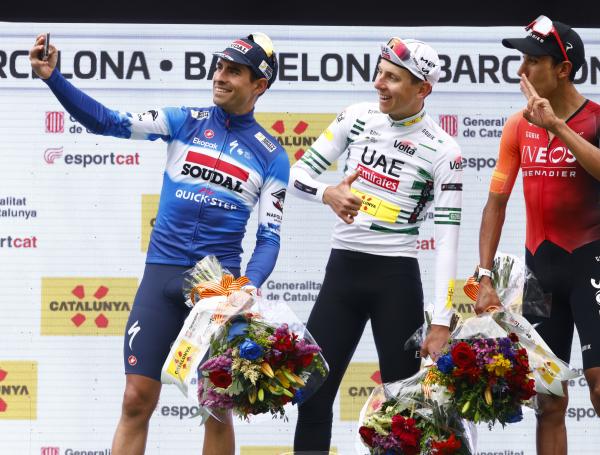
{"x": 397, "y": 52}
{"x": 543, "y": 27}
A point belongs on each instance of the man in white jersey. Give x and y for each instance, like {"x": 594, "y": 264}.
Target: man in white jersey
{"x": 398, "y": 162}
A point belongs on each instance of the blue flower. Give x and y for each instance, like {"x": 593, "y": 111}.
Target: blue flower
{"x": 299, "y": 397}
{"x": 249, "y": 350}
{"x": 445, "y": 364}
{"x": 238, "y": 328}
{"x": 516, "y": 417}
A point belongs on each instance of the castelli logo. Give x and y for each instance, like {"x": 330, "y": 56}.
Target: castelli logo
{"x": 209, "y": 134}
{"x": 132, "y": 360}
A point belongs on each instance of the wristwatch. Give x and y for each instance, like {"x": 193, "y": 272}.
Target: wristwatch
{"x": 480, "y": 272}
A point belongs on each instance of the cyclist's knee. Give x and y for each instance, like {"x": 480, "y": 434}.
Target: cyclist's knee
{"x": 552, "y": 409}
{"x": 138, "y": 401}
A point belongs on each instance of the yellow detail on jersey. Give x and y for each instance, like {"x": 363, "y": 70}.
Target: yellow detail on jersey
{"x": 328, "y": 134}
{"x": 376, "y": 207}
{"x": 450, "y": 295}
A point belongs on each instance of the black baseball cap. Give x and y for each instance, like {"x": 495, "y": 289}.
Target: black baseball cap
{"x": 255, "y": 51}
{"x": 537, "y": 44}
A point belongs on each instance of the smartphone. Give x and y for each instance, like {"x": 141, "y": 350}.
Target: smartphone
{"x": 46, "y": 46}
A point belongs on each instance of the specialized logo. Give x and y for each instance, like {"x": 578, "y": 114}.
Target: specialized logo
{"x": 55, "y": 122}
{"x": 376, "y": 207}
{"x": 208, "y": 168}
{"x": 378, "y": 179}
{"x": 449, "y": 124}
{"x": 132, "y": 332}
{"x": 209, "y": 134}
{"x": 52, "y": 154}
{"x": 279, "y": 196}
{"x": 149, "y": 211}
{"x": 265, "y": 141}
{"x": 357, "y": 384}
{"x": 86, "y": 306}
{"x": 199, "y": 115}
{"x": 18, "y": 390}
{"x": 297, "y": 132}
{"x": 596, "y": 285}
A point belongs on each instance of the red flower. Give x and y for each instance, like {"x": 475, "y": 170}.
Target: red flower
{"x": 513, "y": 337}
{"x": 306, "y": 360}
{"x": 408, "y": 433}
{"x": 283, "y": 344}
{"x": 447, "y": 447}
{"x": 367, "y": 435}
{"x": 220, "y": 378}
{"x": 463, "y": 356}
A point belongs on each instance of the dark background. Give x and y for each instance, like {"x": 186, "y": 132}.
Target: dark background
{"x": 582, "y": 13}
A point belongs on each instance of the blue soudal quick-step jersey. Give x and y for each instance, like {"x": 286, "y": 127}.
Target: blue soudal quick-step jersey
{"x": 218, "y": 167}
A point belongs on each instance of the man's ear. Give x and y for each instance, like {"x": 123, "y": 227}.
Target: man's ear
{"x": 564, "y": 69}
{"x": 261, "y": 86}
{"x": 425, "y": 89}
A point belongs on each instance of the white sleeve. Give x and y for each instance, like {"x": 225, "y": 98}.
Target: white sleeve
{"x": 447, "y": 214}
{"x": 323, "y": 152}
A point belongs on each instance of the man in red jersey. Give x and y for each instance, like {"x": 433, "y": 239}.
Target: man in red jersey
{"x": 554, "y": 141}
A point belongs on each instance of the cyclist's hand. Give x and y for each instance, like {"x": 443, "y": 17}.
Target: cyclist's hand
{"x": 341, "y": 200}
{"x": 43, "y": 67}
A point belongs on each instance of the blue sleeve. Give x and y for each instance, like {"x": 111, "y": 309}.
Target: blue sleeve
{"x": 151, "y": 125}
{"x": 270, "y": 217}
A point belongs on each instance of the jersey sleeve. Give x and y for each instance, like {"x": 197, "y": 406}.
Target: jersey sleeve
{"x": 150, "y": 125}
{"x": 270, "y": 217}
{"x": 324, "y": 151}
{"x": 447, "y": 197}
{"x": 509, "y": 158}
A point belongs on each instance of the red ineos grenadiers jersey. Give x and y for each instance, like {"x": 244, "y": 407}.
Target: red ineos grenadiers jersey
{"x": 219, "y": 166}
{"x": 562, "y": 199}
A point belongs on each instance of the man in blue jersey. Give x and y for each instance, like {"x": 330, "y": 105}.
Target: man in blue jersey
{"x": 220, "y": 163}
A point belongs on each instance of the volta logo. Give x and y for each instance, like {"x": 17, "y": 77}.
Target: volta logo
{"x": 209, "y": 134}
{"x": 449, "y": 124}
{"x": 296, "y": 132}
{"x": 52, "y": 154}
{"x": 55, "y": 122}
{"x": 86, "y": 306}
{"x": 18, "y": 390}
{"x": 357, "y": 384}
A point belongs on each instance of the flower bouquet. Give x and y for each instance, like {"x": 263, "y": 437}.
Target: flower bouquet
{"x": 489, "y": 379}
{"x": 407, "y": 418}
{"x": 256, "y": 366}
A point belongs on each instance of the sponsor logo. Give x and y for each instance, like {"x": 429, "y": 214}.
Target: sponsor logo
{"x": 199, "y": 115}
{"x": 556, "y": 162}
{"x": 55, "y": 122}
{"x": 209, "y": 134}
{"x": 149, "y": 210}
{"x": 132, "y": 360}
{"x": 449, "y": 124}
{"x": 452, "y": 186}
{"x": 179, "y": 366}
{"x": 265, "y": 69}
{"x": 390, "y": 166}
{"x": 568, "y": 46}
{"x": 340, "y": 116}
{"x": 203, "y": 196}
{"x": 223, "y": 173}
{"x": 279, "y": 196}
{"x": 376, "y": 207}
{"x": 297, "y": 132}
{"x": 18, "y": 390}
{"x": 132, "y": 332}
{"x": 461, "y": 303}
{"x": 86, "y": 306}
{"x": 586, "y": 347}
{"x": 49, "y": 451}
{"x": 405, "y": 147}
{"x": 52, "y": 154}
{"x": 235, "y": 147}
{"x": 210, "y": 145}
{"x": 596, "y": 285}
{"x": 265, "y": 141}
{"x": 91, "y": 159}
{"x": 428, "y": 133}
{"x": 240, "y": 46}
{"x": 378, "y": 179}
{"x": 357, "y": 384}
{"x": 532, "y": 135}
{"x": 456, "y": 165}
{"x": 151, "y": 113}
{"x": 478, "y": 163}
{"x": 18, "y": 242}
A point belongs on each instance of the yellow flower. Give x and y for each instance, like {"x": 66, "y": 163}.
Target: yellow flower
{"x": 499, "y": 366}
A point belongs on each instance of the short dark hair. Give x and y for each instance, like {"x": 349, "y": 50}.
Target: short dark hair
{"x": 558, "y": 61}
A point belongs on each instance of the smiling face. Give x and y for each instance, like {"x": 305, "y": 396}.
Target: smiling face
{"x": 401, "y": 94}
{"x": 235, "y": 89}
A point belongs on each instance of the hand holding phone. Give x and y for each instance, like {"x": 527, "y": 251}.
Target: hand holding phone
{"x": 46, "y": 47}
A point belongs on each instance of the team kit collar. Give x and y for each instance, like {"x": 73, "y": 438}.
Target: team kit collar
{"x": 233, "y": 120}
{"x": 409, "y": 121}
